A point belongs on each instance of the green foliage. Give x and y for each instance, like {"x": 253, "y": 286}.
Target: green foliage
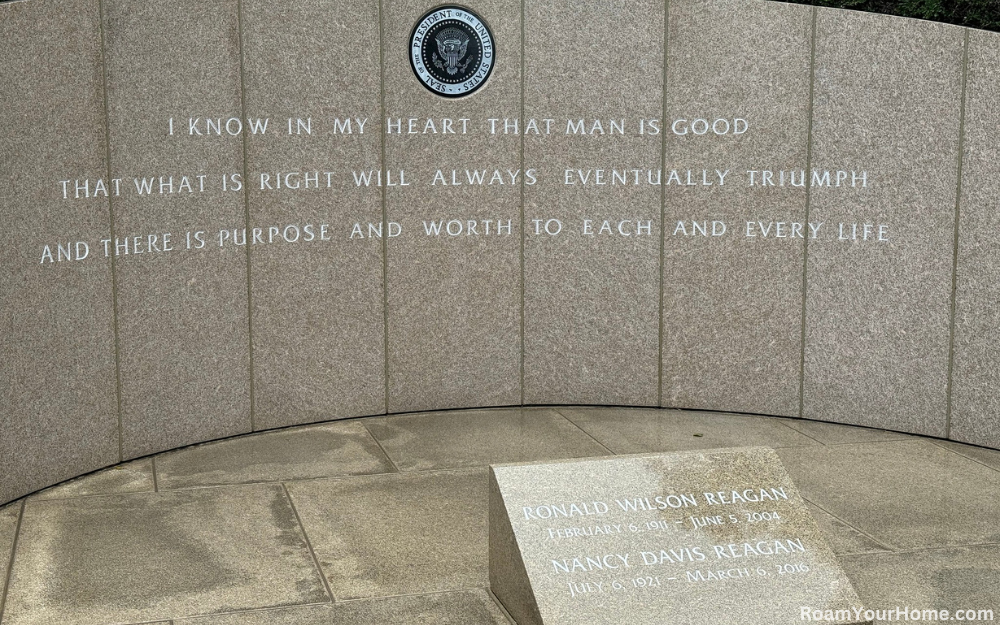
{"x": 983, "y": 14}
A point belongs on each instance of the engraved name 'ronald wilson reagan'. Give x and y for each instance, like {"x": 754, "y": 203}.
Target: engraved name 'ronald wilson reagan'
{"x": 716, "y": 536}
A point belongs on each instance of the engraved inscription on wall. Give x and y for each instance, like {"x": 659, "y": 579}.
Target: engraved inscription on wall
{"x": 446, "y": 221}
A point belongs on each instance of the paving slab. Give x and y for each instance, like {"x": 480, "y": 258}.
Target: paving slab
{"x": 642, "y": 430}
{"x": 843, "y": 538}
{"x": 949, "y": 579}
{"x": 318, "y": 451}
{"x": 837, "y": 434}
{"x": 473, "y": 607}
{"x": 989, "y": 457}
{"x": 440, "y": 440}
{"x": 905, "y": 494}
{"x": 397, "y": 534}
{"x": 153, "y": 556}
{"x": 131, "y": 477}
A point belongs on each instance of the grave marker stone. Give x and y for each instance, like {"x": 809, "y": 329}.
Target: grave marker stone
{"x": 718, "y": 537}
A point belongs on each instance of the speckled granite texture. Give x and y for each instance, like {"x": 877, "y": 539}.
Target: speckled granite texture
{"x": 719, "y": 536}
{"x": 58, "y": 400}
{"x": 183, "y": 337}
{"x": 655, "y": 226}
{"x": 733, "y": 338}
{"x": 388, "y": 528}
{"x": 318, "y": 341}
{"x": 975, "y": 379}
{"x": 877, "y": 313}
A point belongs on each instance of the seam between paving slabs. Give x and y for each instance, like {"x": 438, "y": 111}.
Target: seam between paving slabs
{"x": 938, "y": 442}
{"x": 246, "y": 213}
{"x": 327, "y": 604}
{"x": 901, "y": 552}
{"x": 260, "y": 482}
{"x": 878, "y": 542}
{"x": 588, "y": 434}
{"x": 483, "y": 468}
{"x": 305, "y": 536}
{"x": 10, "y": 562}
{"x": 270, "y": 608}
{"x": 958, "y": 206}
{"x": 432, "y": 593}
{"x": 852, "y": 443}
{"x": 805, "y": 242}
{"x": 894, "y": 441}
{"x": 184, "y": 489}
{"x": 381, "y": 448}
{"x": 500, "y": 606}
{"x": 111, "y": 232}
{"x": 818, "y": 442}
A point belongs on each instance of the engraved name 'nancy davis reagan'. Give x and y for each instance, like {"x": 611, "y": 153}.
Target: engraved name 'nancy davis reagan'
{"x": 451, "y": 51}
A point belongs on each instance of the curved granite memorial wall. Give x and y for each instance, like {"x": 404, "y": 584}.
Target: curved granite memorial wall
{"x": 224, "y": 216}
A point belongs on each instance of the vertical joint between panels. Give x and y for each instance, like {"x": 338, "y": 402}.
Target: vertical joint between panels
{"x": 808, "y": 207}
{"x": 663, "y": 205}
{"x": 956, "y": 237}
{"x": 523, "y": 230}
{"x": 382, "y": 192}
{"x": 111, "y": 232}
{"x": 246, "y": 217}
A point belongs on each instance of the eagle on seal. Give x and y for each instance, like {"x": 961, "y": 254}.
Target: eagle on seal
{"x": 452, "y": 44}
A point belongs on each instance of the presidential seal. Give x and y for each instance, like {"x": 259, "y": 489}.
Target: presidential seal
{"x": 451, "y": 51}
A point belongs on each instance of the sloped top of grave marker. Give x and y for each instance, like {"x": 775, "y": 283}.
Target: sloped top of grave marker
{"x": 717, "y": 537}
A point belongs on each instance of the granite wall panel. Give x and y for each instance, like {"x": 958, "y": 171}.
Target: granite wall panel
{"x": 975, "y": 374}
{"x": 454, "y": 283}
{"x": 592, "y": 216}
{"x": 58, "y": 400}
{"x": 182, "y": 303}
{"x": 886, "y": 113}
{"x": 734, "y": 241}
{"x": 318, "y": 339}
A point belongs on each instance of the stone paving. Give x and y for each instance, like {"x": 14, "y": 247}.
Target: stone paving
{"x": 383, "y": 520}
